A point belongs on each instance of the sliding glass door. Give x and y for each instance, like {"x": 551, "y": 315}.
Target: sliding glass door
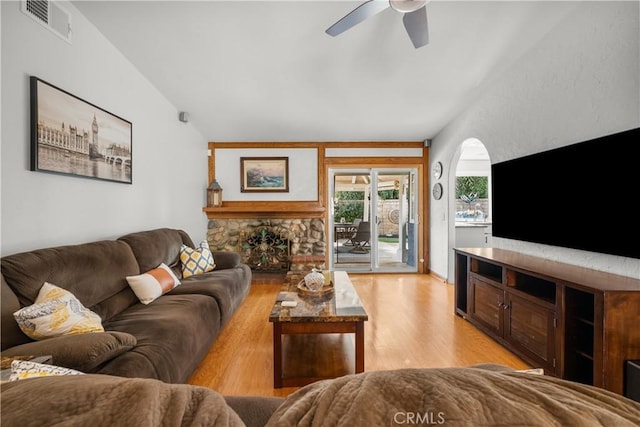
{"x": 373, "y": 219}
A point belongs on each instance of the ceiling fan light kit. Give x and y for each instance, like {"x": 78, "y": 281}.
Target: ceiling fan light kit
{"x": 414, "y": 18}
{"x": 407, "y": 6}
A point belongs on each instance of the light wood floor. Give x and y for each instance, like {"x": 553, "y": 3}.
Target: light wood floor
{"x": 411, "y": 325}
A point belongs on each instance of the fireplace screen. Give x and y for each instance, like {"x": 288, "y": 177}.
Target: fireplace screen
{"x": 267, "y": 250}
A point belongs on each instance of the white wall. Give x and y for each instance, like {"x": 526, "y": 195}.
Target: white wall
{"x": 303, "y": 169}
{"x": 169, "y": 157}
{"x": 0, "y": 127}
{"x": 303, "y": 173}
{"x": 580, "y": 82}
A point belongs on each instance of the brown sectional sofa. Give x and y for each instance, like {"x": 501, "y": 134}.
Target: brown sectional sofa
{"x": 164, "y": 340}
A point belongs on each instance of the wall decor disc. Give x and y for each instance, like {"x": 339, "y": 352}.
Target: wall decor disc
{"x": 437, "y": 191}
{"x": 437, "y": 170}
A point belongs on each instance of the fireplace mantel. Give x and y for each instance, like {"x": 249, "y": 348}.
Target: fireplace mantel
{"x": 266, "y": 210}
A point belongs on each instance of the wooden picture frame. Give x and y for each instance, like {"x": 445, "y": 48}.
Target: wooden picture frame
{"x": 264, "y": 174}
{"x": 71, "y": 136}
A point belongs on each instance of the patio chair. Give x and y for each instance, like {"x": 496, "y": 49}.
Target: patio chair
{"x": 361, "y": 238}
{"x": 353, "y": 228}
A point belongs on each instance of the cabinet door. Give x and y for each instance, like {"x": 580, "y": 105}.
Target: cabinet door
{"x": 530, "y": 328}
{"x": 486, "y": 307}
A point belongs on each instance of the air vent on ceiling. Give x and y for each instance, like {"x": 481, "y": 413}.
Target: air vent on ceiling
{"x": 50, "y": 15}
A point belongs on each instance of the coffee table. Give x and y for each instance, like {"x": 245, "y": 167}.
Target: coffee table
{"x": 338, "y": 313}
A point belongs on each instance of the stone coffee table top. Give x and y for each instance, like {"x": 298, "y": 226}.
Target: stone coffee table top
{"x": 341, "y": 305}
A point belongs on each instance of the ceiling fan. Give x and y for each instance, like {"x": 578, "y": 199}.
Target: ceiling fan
{"x": 414, "y": 19}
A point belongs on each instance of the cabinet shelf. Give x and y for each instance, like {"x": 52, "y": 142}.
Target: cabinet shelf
{"x": 585, "y": 321}
{"x": 585, "y": 355}
{"x": 532, "y": 285}
{"x": 580, "y": 368}
{"x": 461, "y": 277}
{"x": 543, "y": 300}
{"x": 487, "y": 270}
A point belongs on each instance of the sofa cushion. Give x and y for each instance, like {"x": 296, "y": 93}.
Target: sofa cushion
{"x": 93, "y": 272}
{"x": 173, "y": 335}
{"x": 154, "y": 247}
{"x": 101, "y": 400}
{"x": 154, "y": 283}
{"x": 454, "y": 397}
{"x": 11, "y": 333}
{"x": 196, "y": 261}
{"x": 226, "y": 259}
{"x": 229, "y": 287}
{"x": 56, "y": 312}
{"x": 83, "y": 352}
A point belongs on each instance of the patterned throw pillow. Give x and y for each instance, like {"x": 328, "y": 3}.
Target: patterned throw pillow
{"x": 56, "y": 312}
{"x": 23, "y": 369}
{"x": 151, "y": 285}
{"x": 196, "y": 261}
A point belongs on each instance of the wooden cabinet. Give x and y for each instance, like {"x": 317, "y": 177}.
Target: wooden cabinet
{"x": 522, "y": 320}
{"x": 487, "y": 304}
{"x": 576, "y": 323}
{"x": 531, "y": 329}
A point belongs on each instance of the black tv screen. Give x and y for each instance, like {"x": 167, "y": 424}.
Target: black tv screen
{"x": 581, "y": 196}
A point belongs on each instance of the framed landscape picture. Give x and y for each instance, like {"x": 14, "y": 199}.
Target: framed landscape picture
{"x": 71, "y": 136}
{"x": 264, "y": 174}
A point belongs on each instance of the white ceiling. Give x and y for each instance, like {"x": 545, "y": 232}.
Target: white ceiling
{"x": 266, "y": 71}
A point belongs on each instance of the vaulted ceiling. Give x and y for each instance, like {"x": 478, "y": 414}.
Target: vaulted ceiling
{"x": 266, "y": 70}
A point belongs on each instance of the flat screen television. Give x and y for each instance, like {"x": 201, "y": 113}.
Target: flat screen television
{"x": 581, "y": 196}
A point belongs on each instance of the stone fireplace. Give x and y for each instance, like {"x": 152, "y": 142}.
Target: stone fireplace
{"x": 272, "y": 245}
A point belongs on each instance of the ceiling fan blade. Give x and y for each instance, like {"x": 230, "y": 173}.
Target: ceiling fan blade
{"x": 357, "y": 15}
{"x": 416, "y": 25}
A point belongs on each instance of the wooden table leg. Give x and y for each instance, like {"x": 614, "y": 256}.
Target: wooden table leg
{"x": 359, "y": 347}
{"x": 277, "y": 355}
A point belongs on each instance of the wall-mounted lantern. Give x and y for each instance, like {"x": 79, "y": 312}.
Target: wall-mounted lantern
{"x": 214, "y": 195}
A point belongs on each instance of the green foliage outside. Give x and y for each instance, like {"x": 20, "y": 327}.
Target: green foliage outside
{"x": 388, "y": 194}
{"x": 350, "y": 204}
{"x": 472, "y": 187}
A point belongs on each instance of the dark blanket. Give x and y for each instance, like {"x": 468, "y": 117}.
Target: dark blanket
{"x": 101, "y": 400}
{"x": 454, "y": 397}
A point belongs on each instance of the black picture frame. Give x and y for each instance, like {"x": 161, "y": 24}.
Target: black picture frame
{"x": 264, "y": 174}
{"x": 66, "y": 138}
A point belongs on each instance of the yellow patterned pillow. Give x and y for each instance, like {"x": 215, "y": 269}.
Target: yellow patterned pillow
{"x": 196, "y": 261}
{"x": 56, "y": 312}
{"x": 24, "y": 369}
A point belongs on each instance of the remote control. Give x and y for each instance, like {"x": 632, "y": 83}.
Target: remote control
{"x": 289, "y": 303}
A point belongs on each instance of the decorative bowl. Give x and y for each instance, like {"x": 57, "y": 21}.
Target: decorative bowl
{"x": 314, "y": 280}
{"x": 304, "y": 291}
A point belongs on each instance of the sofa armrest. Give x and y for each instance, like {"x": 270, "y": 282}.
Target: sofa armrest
{"x": 226, "y": 259}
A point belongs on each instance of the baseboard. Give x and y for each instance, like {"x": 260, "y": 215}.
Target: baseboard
{"x": 437, "y": 276}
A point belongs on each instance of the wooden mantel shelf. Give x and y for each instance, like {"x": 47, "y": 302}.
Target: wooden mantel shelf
{"x": 266, "y": 210}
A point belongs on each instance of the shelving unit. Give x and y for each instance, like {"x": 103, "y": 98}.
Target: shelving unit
{"x": 579, "y": 334}
{"x": 462, "y": 276}
{"x": 576, "y": 323}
